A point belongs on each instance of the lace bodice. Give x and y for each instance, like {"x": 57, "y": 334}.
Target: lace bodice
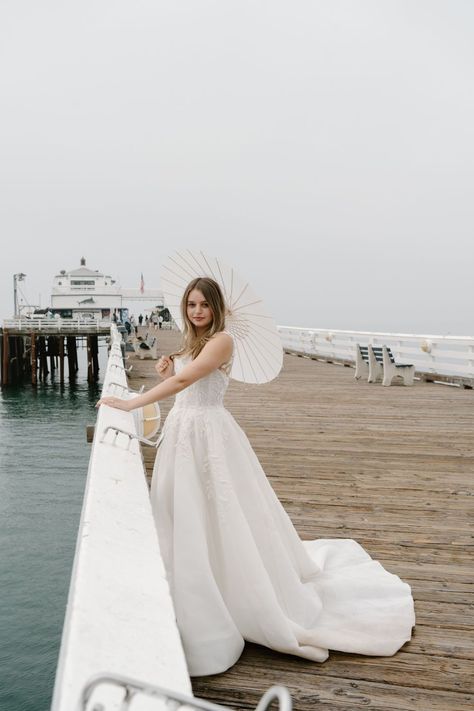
{"x": 206, "y": 392}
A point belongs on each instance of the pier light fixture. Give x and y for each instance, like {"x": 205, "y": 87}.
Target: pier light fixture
{"x": 16, "y": 278}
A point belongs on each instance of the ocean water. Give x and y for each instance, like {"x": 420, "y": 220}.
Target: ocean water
{"x": 43, "y": 467}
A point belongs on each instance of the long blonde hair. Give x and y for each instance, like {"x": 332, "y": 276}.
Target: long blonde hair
{"x": 192, "y": 343}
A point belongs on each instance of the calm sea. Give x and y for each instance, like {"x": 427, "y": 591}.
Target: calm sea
{"x": 43, "y": 467}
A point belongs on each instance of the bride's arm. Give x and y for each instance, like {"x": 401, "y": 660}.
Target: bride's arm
{"x": 214, "y": 354}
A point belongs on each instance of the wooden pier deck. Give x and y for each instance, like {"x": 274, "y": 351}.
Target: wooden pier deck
{"x": 392, "y": 468}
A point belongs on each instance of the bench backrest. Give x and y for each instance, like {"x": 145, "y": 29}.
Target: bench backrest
{"x": 378, "y": 353}
{"x": 364, "y": 351}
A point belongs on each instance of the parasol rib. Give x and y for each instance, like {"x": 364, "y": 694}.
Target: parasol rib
{"x": 178, "y": 286}
{"x": 252, "y": 303}
{"x": 222, "y": 282}
{"x": 180, "y": 266}
{"x": 241, "y": 293}
{"x": 231, "y": 286}
{"x": 236, "y": 350}
{"x": 209, "y": 267}
{"x": 244, "y": 348}
{"x": 179, "y": 276}
{"x": 271, "y": 343}
{"x": 262, "y": 353}
{"x": 195, "y": 273}
{"x": 256, "y": 360}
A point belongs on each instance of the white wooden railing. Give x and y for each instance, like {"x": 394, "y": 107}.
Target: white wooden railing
{"x": 61, "y": 325}
{"x": 451, "y": 358}
{"x": 119, "y": 618}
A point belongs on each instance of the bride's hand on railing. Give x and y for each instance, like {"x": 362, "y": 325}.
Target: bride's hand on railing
{"x": 164, "y": 367}
{"x": 116, "y": 402}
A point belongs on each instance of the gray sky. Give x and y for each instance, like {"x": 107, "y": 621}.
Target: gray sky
{"x": 324, "y": 148}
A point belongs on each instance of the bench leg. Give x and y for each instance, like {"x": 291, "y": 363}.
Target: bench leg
{"x": 409, "y": 376}
{"x": 362, "y": 370}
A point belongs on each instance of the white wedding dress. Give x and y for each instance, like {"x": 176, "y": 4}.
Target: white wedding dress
{"x": 236, "y": 566}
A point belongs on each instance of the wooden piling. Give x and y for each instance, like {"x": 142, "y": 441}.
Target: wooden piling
{"x": 6, "y": 358}
{"x": 18, "y": 367}
{"x": 71, "y": 356}
{"x": 13, "y": 359}
{"x": 51, "y": 353}
{"x": 1, "y": 357}
{"x": 33, "y": 360}
{"x": 90, "y": 368}
{"x": 25, "y": 352}
{"x": 95, "y": 356}
{"x": 61, "y": 359}
{"x": 40, "y": 359}
{"x": 43, "y": 358}
{"x": 76, "y": 361}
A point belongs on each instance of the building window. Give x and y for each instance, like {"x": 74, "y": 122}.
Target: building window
{"x": 82, "y": 282}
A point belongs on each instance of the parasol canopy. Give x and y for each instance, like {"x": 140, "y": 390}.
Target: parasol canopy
{"x": 258, "y": 353}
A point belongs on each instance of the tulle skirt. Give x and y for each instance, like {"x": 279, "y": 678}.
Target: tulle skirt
{"x": 237, "y": 568}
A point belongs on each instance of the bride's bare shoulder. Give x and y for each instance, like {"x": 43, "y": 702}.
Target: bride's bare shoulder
{"x": 223, "y": 336}
{"x": 223, "y": 340}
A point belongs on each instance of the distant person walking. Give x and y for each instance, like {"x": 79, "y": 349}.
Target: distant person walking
{"x": 140, "y": 319}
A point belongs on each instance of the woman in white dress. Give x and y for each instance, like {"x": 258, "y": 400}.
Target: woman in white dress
{"x": 236, "y": 566}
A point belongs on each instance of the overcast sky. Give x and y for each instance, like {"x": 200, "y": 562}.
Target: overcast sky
{"x": 324, "y": 148}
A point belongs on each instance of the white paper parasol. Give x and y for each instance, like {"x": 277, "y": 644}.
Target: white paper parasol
{"x": 258, "y": 353}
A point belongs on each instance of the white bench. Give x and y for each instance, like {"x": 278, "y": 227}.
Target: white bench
{"x": 393, "y": 370}
{"x": 147, "y": 348}
{"x": 362, "y": 362}
{"x": 378, "y": 363}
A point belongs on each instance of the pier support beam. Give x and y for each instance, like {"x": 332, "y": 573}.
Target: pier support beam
{"x": 61, "y": 359}
{"x": 95, "y": 356}
{"x": 52, "y": 353}
{"x": 90, "y": 366}
{"x": 6, "y": 358}
{"x": 33, "y": 359}
{"x": 71, "y": 356}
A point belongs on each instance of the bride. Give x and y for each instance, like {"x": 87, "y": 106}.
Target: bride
{"x": 236, "y": 566}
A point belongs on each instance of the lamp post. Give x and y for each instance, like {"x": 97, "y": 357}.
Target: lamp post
{"x": 16, "y": 277}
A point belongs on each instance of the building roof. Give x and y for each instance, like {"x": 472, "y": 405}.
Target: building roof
{"x": 83, "y": 271}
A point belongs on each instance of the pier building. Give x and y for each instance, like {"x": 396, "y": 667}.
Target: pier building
{"x": 85, "y": 293}
{"x": 88, "y": 294}
{"x": 84, "y": 303}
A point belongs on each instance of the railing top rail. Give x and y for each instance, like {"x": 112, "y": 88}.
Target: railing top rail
{"x": 33, "y": 324}
{"x": 377, "y": 334}
{"x": 118, "y": 584}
